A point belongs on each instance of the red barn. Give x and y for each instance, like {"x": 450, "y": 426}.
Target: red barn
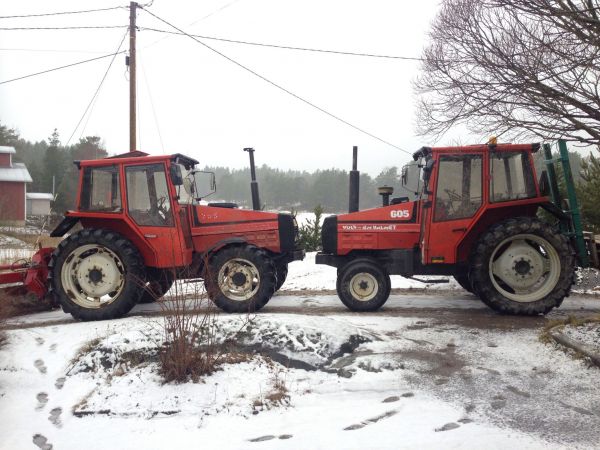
{"x": 13, "y": 188}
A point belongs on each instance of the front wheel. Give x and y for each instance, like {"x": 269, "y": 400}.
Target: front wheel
{"x": 522, "y": 266}
{"x": 281, "y": 271}
{"x": 96, "y": 275}
{"x": 363, "y": 285}
{"x": 241, "y": 279}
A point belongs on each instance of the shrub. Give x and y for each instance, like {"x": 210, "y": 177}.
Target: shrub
{"x": 309, "y": 234}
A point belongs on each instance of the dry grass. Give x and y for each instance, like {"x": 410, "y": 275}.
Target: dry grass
{"x": 559, "y": 324}
{"x": 278, "y": 393}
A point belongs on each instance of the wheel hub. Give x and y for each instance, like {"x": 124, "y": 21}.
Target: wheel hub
{"x": 239, "y": 279}
{"x": 522, "y": 267}
{"x": 95, "y": 275}
{"x": 364, "y": 286}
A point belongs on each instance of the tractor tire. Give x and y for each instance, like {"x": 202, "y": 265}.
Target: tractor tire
{"x": 158, "y": 284}
{"x": 96, "y": 275}
{"x": 463, "y": 281}
{"x": 240, "y": 279}
{"x": 363, "y": 285}
{"x": 522, "y": 266}
{"x": 281, "y": 270}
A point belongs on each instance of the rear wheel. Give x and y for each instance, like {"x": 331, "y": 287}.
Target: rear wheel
{"x": 463, "y": 281}
{"x": 522, "y": 266}
{"x": 363, "y": 285}
{"x": 96, "y": 275}
{"x": 241, "y": 279}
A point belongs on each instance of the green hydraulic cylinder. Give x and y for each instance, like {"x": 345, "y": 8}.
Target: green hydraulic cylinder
{"x": 575, "y": 213}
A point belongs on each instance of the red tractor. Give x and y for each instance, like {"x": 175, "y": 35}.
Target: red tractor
{"x": 473, "y": 215}
{"x": 142, "y": 227}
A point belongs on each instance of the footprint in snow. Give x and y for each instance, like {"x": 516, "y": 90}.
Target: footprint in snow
{"x": 39, "y": 340}
{"x": 54, "y": 417}
{"x": 42, "y": 399}
{"x": 39, "y": 365}
{"x": 391, "y": 399}
{"x": 262, "y": 438}
{"x": 60, "y": 382}
{"x": 447, "y": 427}
{"x": 364, "y": 423}
{"x": 53, "y": 347}
{"x": 42, "y": 442}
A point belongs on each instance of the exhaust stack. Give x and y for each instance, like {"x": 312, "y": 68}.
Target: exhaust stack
{"x": 253, "y": 182}
{"x": 354, "y": 182}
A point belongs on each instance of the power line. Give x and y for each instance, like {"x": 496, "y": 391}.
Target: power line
{"x": 99, "y": 86}
{"x": 47, "y": 50}
{"x": 272, "y": 83}
{"x": 285, "y": 47}
{"x": 90, "y": 27}
{"x": 62, "y": 13}
{"x": 61, "y": 67}
{"x": 206, "y": 16}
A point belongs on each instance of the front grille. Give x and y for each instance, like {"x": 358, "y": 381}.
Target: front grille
{"x": 329, "y": 235}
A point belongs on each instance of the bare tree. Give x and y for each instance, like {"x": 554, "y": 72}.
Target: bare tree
{"x": 519, "y": 68}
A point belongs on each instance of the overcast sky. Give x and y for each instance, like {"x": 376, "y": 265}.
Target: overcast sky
{"x": 207, "y": 107}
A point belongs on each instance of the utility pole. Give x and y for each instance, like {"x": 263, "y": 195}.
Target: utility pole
{"x": 132, "y": 86}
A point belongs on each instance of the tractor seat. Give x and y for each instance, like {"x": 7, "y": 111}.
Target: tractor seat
{"x": 223, "y": 205}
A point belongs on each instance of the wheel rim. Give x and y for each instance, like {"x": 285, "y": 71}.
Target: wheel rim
{"x": 93, "y": 276}
{"x": 239, "y": 279}
{"x": 525, "y": 268}
{"x": 363, "y": 286}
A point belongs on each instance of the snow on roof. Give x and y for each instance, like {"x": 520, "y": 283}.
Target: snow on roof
{"x": 6, "y": 149}
{"x": 17, "y": 173}
{"x": 39, "y": 196}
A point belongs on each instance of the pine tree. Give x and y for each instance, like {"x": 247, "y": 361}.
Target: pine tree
{"x": 588, "y": 193}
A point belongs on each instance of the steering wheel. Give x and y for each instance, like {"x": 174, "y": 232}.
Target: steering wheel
{"x": 453, "y": 196}
{"x": 161, "y": 207}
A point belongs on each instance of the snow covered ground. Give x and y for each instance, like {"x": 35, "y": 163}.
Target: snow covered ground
{"x": 416, "y": 374}
{"x": 306, "y": 275}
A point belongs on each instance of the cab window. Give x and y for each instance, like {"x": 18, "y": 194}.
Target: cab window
{"x": 458, "y": 192}
{"x": 511, "y": 177}
{"x": 101, "y": 189}
{"x": 148, "y": 200}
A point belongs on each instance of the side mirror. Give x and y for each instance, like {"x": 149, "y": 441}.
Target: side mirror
{"x": 176, "y": 176}
{"x": 206, "y": 184}
{"x": 427, "y": 172}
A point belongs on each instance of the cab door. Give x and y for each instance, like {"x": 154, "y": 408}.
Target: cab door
{"x": 457, "y": 198}
{"x": 151, "y": 207}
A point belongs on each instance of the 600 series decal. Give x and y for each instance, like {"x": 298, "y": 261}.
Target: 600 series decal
{"x": 400, "y": 213}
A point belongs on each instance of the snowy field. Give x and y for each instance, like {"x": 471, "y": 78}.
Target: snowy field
{"x": 353, "y": 381}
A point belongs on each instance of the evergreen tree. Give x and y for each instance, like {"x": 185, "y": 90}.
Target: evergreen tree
{"x": 588, "y": 193}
